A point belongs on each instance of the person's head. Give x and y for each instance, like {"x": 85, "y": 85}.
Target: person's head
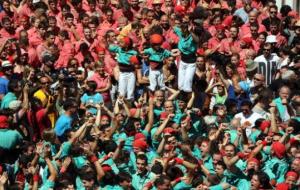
{"x": 70, "y": 105}
{"x": 87, "y": 33}
{"x": 291, "y": 178}
{"x": 141, "y": 163}
{"x": 247, "y": 5}
{"x": 109, "y": 14}
{"x": 220, "y": 167}
{"x": 296, "y": 165}
{"x": 204, "y": 146}
{"x": 273, "y": 10}
{"x": 164, "y": 21}
{"x": 253, "y": 17}
{"x": 259, "y": 80}
{"x": 124, "y": 180}
{"x": 229, "y": 150}
{"x": 6, "y": 23}
{"x": 262, "y": 37}
{"x": 125, "y": 42}
{"x": 14, "y": 86}
{"x": 246, "y": 108}
{"x": 88, "y": 179}
{"x": 217, "y": 156}
{"x": 45, "y": 82}
{"x": 163, "y": 183}
{"x": 260, "y": 180}
{"x": 284, "y": 92}
{"x": 234, "y": 31}
{"x": 159, "y": 96}
{"x": 110, "y": 36}
{"x": 169, "y": 107}
{"x": 267, "y": 49}
{"x": 235, "y": 59}
{"x": 50, "y": 37}
{"x": 150, "y": 16}
{"x": 274, "y": 27}
{"x": 52, "y": 5}
{"x": 254, "y": 29}
{"x": 253, "y": 164}
{"x": 91, "y": 86}
{"x": 69, "y": 18}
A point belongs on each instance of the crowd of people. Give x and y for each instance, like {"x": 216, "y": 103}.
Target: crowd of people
{"x": 149, "y": 95}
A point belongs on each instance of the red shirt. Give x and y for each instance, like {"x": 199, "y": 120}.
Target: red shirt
{"x": 43, "y": 121}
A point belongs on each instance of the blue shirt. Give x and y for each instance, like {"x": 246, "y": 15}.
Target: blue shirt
{"x": 63, "y": 123}
{"x": 3, "y": 85}
{"x": 93, "y": 99}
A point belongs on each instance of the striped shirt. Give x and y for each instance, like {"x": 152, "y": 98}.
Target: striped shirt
{"x": 268, "y": 67}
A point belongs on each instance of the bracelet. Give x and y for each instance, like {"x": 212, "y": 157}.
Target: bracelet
{"x": 62, "y": 169}
{"x": 36, "y": 178}
{"x": 177, "y": 180}
{"x": 93, "y": 159}
{"x": 178, "y": 160}
{"x": 106, "y": 157}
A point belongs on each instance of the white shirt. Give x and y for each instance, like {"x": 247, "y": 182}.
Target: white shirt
{"x": 268, "y": 67}
{"x": 252, "y": 118}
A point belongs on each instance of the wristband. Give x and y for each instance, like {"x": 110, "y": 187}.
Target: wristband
{"x": 292, "y": 141}
{"x": 240, "y": 155}
{"x": 149, "y": 184}
{"x": 138, "y": 106}
{"x": 106, "y": 157}
{"x": 264, "y": 143}
{"x": 200, "y": 162}
{"x": 177, "y": 180}
{"x": 36, "y": 178}
{"x": 93, "y": 159}
{"x": 178, "y": 160}
{"x": 62, "y": 169}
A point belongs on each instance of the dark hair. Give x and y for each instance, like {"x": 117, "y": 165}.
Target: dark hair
{"x": 109, "y": 146}
{"x": 246, "y": 103}
{"x": 69, "y": 103}
{"x": 161, "y": 180}
{"x": 92, "y": 84}
{"x": 124, "y": 176}
{"x": 284, "y": 10}
{"x": 12, "y": 85}
{"x": 49, "y": 33}
{"x": 221, "y": 163}
{"x": 142, "y": 157}
{"x": 174, "y": 172}
{"x": 64, "y": 34}
{"x": 69, "y": 15}
{"x": 157, "y": 168}
{"x": 263, "y": 179}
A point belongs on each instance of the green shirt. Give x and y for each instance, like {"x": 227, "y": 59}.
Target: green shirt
{"x": 9, "y": 97}
{"x": 138, "y": 182}
{"x": 276, "y": 169}
{"x": 186, "y": 45}
{"x": 123, "y": 56}
{"x": 9, "y": 139}
{"x": 157, "y": 56}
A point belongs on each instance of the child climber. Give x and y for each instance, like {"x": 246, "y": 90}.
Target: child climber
{"x": 127, "y": 70}
{"x": 156, "y": 55}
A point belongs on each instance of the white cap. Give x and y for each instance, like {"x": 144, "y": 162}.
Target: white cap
{"x": 6, "y": 63}
{"x": 271, "y": 39}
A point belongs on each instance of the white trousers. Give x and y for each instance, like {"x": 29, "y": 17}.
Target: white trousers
{"x": 186, "y": 72}
{"x": 127, "y": 85}
{"x": 156, "y": 79}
